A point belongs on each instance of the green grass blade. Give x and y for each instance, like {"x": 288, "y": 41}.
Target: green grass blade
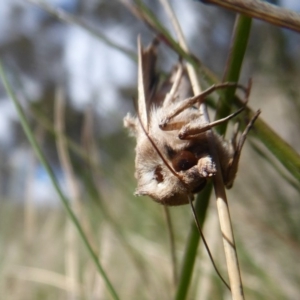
{"x": 190, "y": 253}
{"x": 233, "y": 68}
{"x": 47, "y": 167}
{"x": 239, "y": 45}
{"x": 287, "y": 156}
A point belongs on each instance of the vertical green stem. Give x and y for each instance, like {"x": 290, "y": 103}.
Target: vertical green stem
{"x": 236, "y": 55}
{"x": 192, "y": 244}
{"x": 232, "y": 72}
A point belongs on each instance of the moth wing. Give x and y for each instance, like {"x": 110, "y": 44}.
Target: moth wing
{"x": 146, "y": 80}
{"x": 142, "y": 105}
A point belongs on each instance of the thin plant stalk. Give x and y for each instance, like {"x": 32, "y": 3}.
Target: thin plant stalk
{"x": 228, "y": 236}
{"x": 262, "y": 10}
{"x": 238, "y": 46}
{"x": 71, "y": 253}
{"x": 42, "y": 276}
{"x": 190, "y": 253}
{"x": 54, "y": 181}
{"x": 29, "y": 205}
{"x": 222, "y": 204}
{"x": 236, "y": 55}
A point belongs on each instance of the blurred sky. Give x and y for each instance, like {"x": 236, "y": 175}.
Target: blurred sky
{"x": 93, "y": 69}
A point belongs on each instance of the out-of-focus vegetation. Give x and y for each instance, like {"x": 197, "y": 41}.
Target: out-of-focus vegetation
{"x": 47, "y": 59}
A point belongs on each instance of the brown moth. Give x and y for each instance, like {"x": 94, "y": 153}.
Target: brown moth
{"x": 173, "y": 160}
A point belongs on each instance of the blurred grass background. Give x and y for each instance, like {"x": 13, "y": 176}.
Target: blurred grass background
{"x": 56, "y": 67}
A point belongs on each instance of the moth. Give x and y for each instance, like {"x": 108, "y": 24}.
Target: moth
{"x": 173, "y": 160}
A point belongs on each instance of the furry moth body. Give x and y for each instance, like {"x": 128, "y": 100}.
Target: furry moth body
{"x": 173, "y": 160}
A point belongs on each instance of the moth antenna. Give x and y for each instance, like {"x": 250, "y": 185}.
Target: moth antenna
{"x": 189, "y": 135}
{"x": 205, "y": 243}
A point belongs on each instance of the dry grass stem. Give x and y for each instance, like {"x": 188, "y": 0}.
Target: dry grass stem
{"x": 71, "y": 258}
{"x": 262, "y": 10}
{"x": 222, "y": 205}
{"x": 44, "y": 277}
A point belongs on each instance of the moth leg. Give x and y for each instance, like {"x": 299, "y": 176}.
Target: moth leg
{"x": 196, "y": 126}
{"x": 196, "y": 99}
{"x": 171, "y": 95}
{"x": 234, "y": 162}
{"x": 174, "y": 126}
{"x": 233, "y": 140}
{"x": 206, "y": 166}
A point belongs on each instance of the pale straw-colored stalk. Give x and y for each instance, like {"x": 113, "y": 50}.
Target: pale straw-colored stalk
{"x": 262, "y": 10}
{"x": 222, "y": 204}
{"x": 72, "y": 246}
